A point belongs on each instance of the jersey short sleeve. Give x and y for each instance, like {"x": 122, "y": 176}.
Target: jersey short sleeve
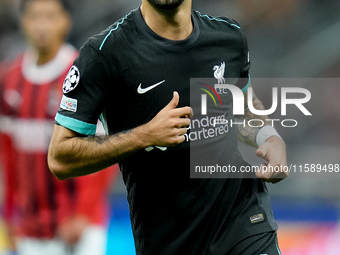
{"x": 84, "y": 92}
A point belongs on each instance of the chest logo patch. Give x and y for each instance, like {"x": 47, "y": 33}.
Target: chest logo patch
{"x": 219, "y": 73}
{"x": 71, "y": 80}
{"x": 141, "y": 90}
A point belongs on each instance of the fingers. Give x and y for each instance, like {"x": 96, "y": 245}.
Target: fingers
{"x": 261, "y": 152}
{"x": 174, "y": 101}
{"x": 191, "y": 113}
{"x": 181, "y": 115}
{"x": 169, "y": 126}
{"x": 274, "y": 152}
{"x": 271, "y": 174}
{"x": 180, "y": 112}
{"x": 183, "y": 123}
{"x": 186, "y": 112}
{"x": 176, "y": 137}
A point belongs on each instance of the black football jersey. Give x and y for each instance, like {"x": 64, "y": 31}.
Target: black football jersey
{"x": 125, "y": 76}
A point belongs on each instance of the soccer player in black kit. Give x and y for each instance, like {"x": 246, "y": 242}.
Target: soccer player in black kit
{"x": 135, "y": 76}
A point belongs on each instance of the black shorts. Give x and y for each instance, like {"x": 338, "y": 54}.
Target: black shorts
{"x": 261, "y": 244}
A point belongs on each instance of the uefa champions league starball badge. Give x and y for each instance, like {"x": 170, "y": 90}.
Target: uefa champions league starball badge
{"x": 71, "y": 80}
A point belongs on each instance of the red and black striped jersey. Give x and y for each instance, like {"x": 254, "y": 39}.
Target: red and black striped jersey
{"x": 36, "y": 200}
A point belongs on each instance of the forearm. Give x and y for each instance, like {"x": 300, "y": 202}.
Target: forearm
{"x": 270, "y": 146}
{"x": 71, "y": 155}
{"x": 247, "y": 134}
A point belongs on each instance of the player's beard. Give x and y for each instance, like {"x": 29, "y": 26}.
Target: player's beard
{"x": 166, "y": 4}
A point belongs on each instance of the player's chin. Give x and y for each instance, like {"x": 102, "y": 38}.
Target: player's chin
{"x": 166, "y": 5}
{"x": 42, "y": 45}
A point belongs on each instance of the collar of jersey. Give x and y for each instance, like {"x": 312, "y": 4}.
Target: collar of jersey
{"x": 169, "y": 44}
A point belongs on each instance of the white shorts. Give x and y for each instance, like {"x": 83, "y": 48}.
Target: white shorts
{"x": 92, "y": 242}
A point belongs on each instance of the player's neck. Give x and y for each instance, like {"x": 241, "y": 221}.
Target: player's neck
{"x": 46, "y": 55}
{"x": 173, "y": 25}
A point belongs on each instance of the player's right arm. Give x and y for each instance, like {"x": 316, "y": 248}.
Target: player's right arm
{"x": 72, "y": 154}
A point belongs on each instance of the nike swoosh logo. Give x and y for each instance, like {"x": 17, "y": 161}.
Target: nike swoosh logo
{"x": 141, "y": 90}
{"x": 158, "y": 147}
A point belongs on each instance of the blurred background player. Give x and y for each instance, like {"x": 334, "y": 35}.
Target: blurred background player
{"x": 44, "y": 215}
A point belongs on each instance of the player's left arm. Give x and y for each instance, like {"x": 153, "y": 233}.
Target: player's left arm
{"x": 273, "y": 148}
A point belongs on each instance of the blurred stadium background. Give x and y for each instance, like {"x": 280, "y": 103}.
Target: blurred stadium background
{"x": 287, "y": 39}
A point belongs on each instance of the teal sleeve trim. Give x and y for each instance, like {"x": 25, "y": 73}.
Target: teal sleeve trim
{"x": 76, "y": 125}
{"x": 114, "y": 29}
{"x": 247, "y": 86}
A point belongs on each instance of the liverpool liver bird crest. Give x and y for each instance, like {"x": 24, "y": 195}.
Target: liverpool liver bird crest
{"x": 219, "y": 73}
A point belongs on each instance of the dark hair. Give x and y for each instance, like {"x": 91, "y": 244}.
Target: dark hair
{"x": 66, "y": 4}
